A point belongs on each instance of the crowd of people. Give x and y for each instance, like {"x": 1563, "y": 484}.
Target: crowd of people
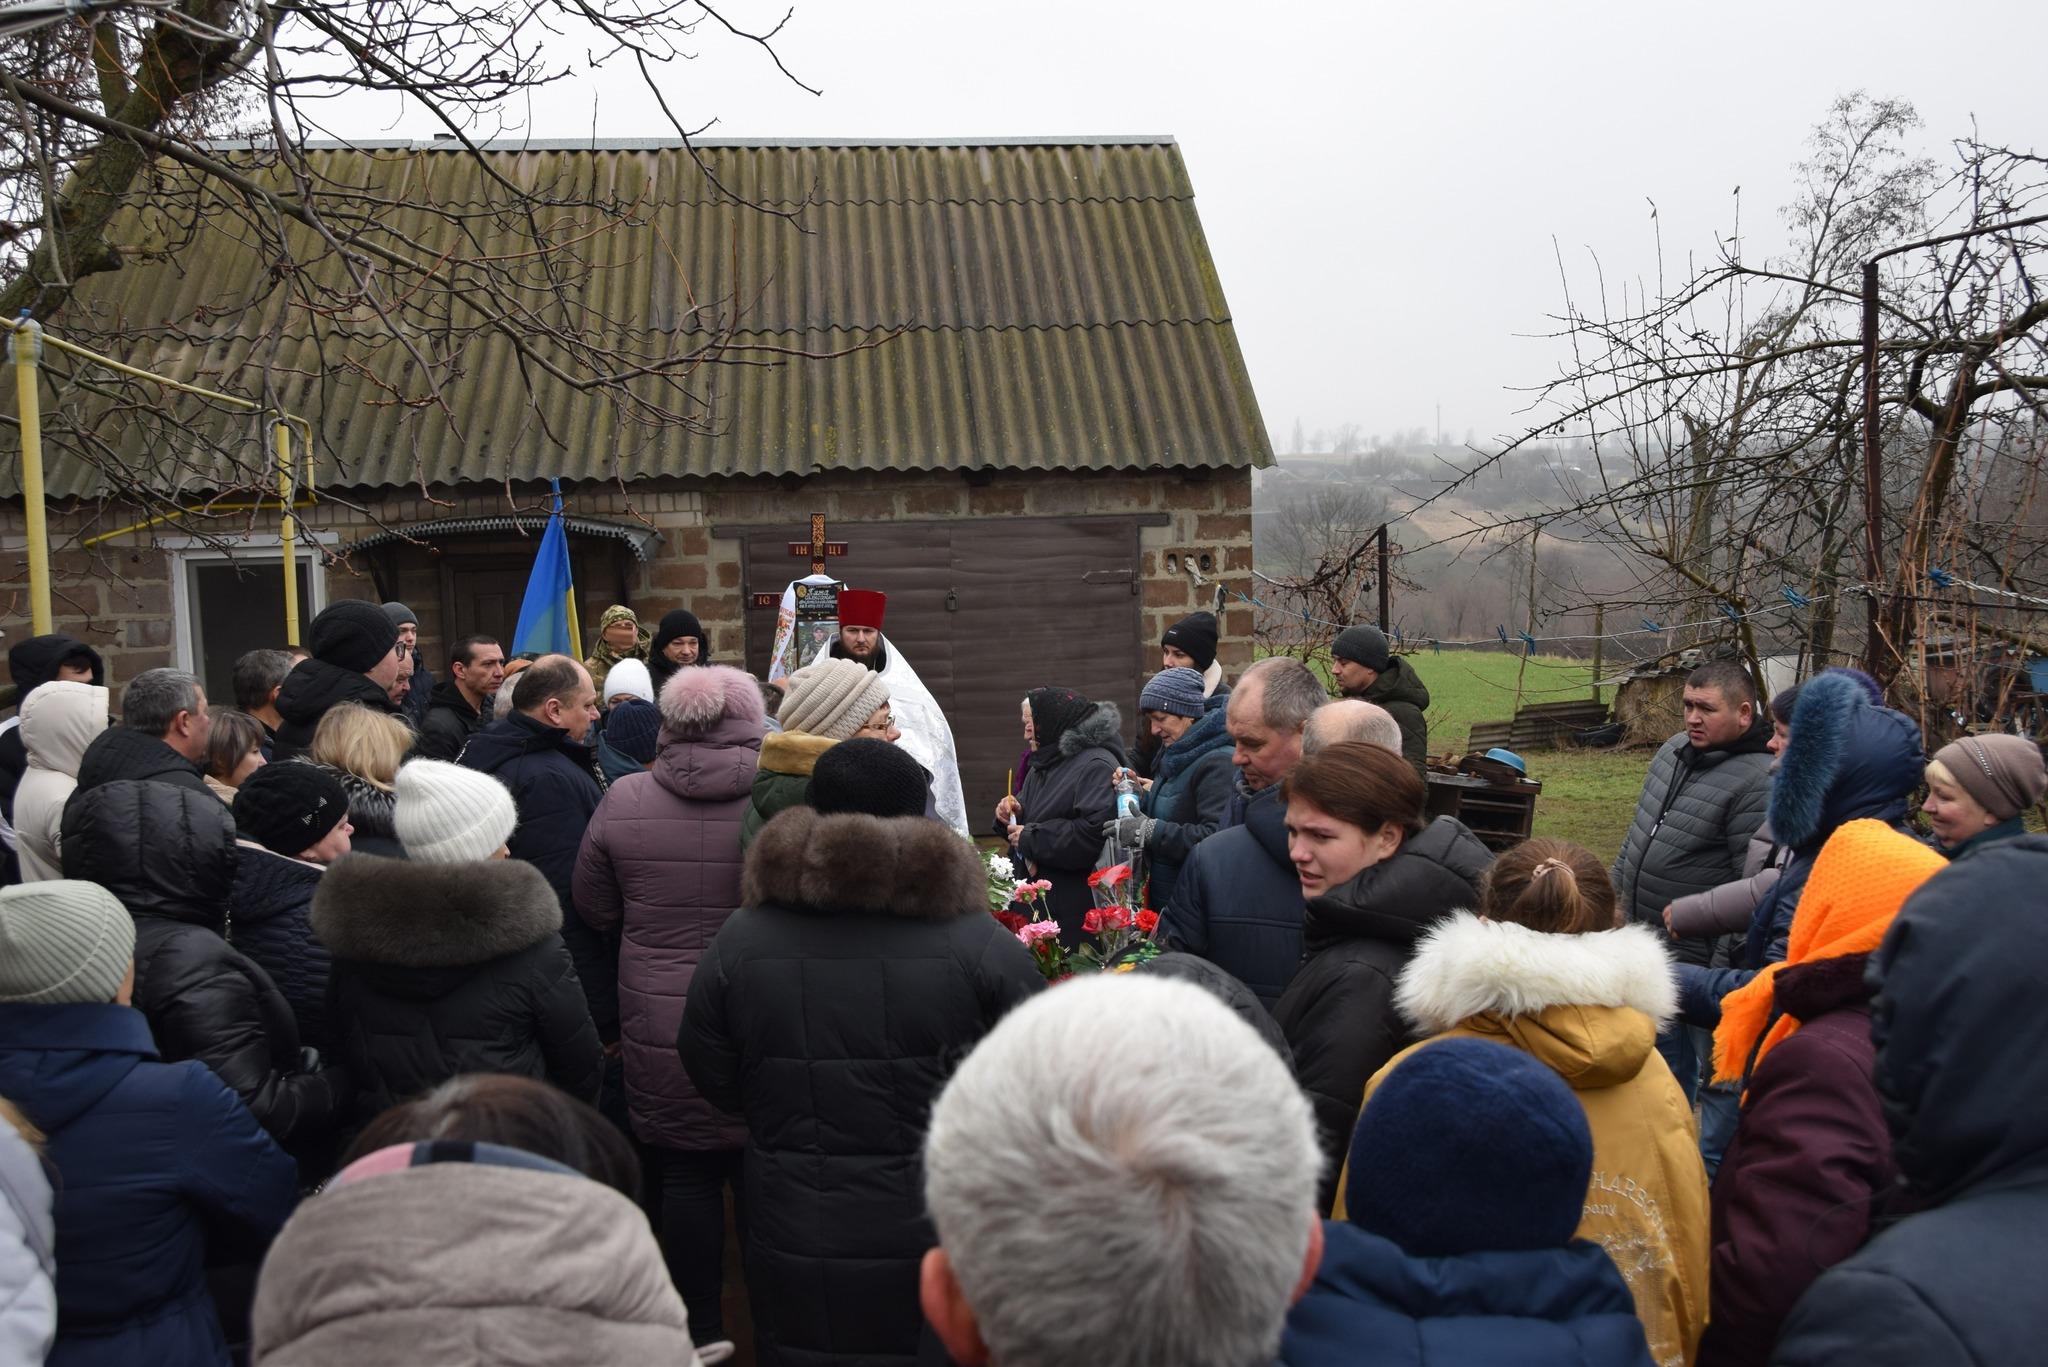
{"x": 385, "y": 1018}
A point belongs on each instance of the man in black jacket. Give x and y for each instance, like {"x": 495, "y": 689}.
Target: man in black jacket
{"x": 542, "y": 754}
{"x": 161, "y": 739}
{"x": 461, "y": 703}
{"x": 1238, "y": 903}
{"x": 355, "y": 658}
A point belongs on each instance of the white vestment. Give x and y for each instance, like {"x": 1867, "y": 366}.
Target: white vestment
{"x": 926, "y": 736}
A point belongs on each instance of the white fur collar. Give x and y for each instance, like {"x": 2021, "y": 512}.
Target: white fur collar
{"x": 1467, "y": 965}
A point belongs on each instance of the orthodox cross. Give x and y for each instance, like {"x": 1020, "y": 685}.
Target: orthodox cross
{"x": 816, "y": 550}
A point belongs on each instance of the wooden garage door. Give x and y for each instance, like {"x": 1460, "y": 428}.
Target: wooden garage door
{"x": 985, "y": 611}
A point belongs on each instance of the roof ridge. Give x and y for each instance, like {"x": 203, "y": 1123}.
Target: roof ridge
{"x": 544, "y": 144}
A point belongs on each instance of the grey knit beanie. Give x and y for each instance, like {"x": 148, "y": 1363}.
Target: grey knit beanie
{"x": 1365, "y": 645}
{"x": 63, "y": 941}
{"x": 2005, "y": 774}
{"x": 446, "y": 814}
{"x": 832, "y": 698}
{"x": 1176, "y": 691}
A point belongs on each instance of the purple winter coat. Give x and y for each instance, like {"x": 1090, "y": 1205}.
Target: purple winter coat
{"x": 1809, "y": 1161}
{"x": 662, "y": 856}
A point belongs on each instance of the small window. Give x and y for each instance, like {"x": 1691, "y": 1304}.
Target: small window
{"x": 236, "y": 606}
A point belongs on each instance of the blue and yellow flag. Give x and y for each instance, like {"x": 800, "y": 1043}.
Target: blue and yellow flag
{"x": 547, "y": 616}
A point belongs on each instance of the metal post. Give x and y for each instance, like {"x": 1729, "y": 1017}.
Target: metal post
{"x": 1385, "y": 599}
{"x": 1873, "y": 473}
{"x": 25, "y": 349}
{"x": 287, "y": 530}
{"x": 1599, "y": 639}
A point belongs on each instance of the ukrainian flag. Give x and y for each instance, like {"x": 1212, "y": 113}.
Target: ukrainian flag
{"x": 547, "y": 616}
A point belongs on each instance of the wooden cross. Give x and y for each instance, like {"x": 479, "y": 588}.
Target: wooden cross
{"x": 816, "y": 550}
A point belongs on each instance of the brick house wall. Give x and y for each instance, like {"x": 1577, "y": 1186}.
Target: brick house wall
{"x": 118, "y": 596}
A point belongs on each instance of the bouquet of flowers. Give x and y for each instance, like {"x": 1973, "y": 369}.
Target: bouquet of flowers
{"x": 1122, "y": 928}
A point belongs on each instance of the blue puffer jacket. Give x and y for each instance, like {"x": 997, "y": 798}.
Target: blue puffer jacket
{"x": 1190, "y": 787}
{"x": 555, "y": 786}
{"x": 1553, "y": 1307}
{"x": 1849, "y": 759}
{"x": 268, "y": 921}
{"x": 1238, "y": 902}
{"x": 146, "y": 1160}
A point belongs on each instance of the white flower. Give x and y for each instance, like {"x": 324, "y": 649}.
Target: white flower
{"x": 1000, "y": 867}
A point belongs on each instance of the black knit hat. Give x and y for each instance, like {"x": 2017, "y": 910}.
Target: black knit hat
{"x": 1365, "y": 645}
{"x": 352, "y": 635}
{"x": 868, "y": 776}
{"x": 289, "y": 807}
{"x": 1195, "y": 634}
{"x": 1054, "y": 711}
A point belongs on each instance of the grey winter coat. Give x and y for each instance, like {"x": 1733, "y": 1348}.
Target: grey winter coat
{"x": 661, "y": 862}
{"x": 1067, "y": 800}
{"x": 468, "y": 1265}
{"x": 28, "y": 1253}
{"x": 1726, "y": 909}
{"x": 1692, "y": 828}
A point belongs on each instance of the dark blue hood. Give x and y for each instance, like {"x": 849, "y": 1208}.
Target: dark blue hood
{"x": 1555, "y": 1306}
{"x": 69, "y": 1056}
{"x": 1207, "y": 735}
{"x": 498, "y": 744}
{"x": 1958, "y": 985}
{"x": 1265, "y": 816}
{"x": 1848, "y": 759}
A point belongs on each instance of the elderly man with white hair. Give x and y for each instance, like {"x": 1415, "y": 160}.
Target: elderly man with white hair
{"x": 1161, "y": 1211}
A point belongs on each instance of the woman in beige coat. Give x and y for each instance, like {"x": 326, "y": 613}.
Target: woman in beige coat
{"x": 1545, "y": 967}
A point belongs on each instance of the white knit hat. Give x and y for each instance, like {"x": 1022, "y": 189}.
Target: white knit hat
{"x": 62, "y": 940}
{"x": 831, "y": 698}
{"x": 627, "y": 676}
{"x": 447, "y": 814}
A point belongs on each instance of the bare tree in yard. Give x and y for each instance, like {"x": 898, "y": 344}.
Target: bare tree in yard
{"x": 1724, "y": 410}
{"x": 1317, "y": 563}
{"x": 129, "y": 137}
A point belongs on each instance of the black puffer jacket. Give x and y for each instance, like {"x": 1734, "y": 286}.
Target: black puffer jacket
{"x": 1960, "y": 1072}
{"x": 268, "y": 921}
{"x": 309, "y": 690}
{"x": 169, "y": 854}
{"x": 828, "y": 1012}
{"x": 450, "y": 722}
{"x": 1067, "y": 800}
{"x": 442, "y": 969}
{"x": 555, "y": 786}
{"x": 118, "y": 753}
{"x": 1338, "y": 1014}
{"x": 1238, "y": 902}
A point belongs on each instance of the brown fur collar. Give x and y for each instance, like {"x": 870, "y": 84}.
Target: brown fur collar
{"x": 417, "y": 915}
{"x": 793, "y": 752}
{"x": 900, "y": 866}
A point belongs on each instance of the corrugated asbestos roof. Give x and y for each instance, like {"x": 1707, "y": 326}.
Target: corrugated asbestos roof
{"x": 1030, "y": 306}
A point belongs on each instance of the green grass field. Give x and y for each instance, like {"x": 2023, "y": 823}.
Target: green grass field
{"x": 1588, "y": 795}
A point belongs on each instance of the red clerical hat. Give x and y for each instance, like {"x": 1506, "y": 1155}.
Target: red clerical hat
{"x": 862, "y": 608}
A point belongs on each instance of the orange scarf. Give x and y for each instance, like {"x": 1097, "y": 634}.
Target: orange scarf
{"x": 1863, "y": 875}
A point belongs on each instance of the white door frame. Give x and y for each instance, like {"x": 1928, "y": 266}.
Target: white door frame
{"x": 259, "y": 548}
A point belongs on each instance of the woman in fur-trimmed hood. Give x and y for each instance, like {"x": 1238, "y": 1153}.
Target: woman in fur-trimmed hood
{"x": 1544, "y": 968}
{"x": 450, "y": 961}
{"x": 827, "y": 1013}
{"x": 1067, "y": 798}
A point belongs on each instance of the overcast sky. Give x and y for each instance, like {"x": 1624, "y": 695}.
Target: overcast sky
{"x": 1380, "y": 184}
